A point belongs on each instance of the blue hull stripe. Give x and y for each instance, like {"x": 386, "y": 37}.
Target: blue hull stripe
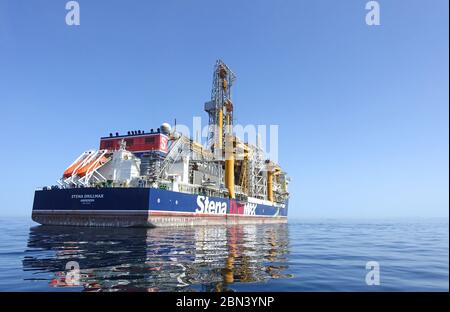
{"x": 149, "y": 200}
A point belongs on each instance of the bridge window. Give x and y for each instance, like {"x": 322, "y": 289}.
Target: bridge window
{"x": 129, "y": 142}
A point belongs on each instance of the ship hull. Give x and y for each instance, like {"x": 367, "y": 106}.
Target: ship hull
{"x": 147, "y": 207}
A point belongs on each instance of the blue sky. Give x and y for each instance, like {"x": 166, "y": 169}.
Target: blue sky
{"x": 363, "y": 111}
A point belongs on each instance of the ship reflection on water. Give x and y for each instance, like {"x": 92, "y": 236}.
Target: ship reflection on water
{"x": 206, "y": 258}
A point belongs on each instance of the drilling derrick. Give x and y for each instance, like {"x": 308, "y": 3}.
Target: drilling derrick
{"x": 220, "y": 108}
{"x": 220, "y": 126}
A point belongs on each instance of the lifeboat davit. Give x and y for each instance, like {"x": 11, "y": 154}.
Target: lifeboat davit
{"x": 92, "y": 165}
{"x": 69, "y": 171}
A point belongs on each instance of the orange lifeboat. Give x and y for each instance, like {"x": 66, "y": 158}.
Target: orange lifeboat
{"x": 69, "y": 171}
{"x": 90, "y": 166}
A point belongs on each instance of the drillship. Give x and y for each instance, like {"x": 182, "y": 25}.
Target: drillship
{"x": 164, "y": 178}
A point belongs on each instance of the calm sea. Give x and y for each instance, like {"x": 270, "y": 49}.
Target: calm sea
{"x": 299, "y": 256}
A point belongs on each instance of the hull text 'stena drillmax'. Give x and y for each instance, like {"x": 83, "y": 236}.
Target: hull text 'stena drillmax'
{"x": 164, "y": 178}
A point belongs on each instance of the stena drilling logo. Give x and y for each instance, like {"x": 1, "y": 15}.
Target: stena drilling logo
{"x": 205, "y": 205}
{"x": 163, "y": 144}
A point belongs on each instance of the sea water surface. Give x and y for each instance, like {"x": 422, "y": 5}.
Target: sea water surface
{"x": 328, "y": 255}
